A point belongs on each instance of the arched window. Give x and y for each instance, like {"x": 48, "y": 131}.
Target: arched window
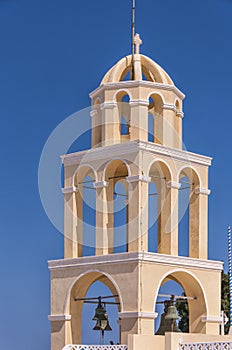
{"x": 151, "y": 128}
{"x": 152, "y": 217}
{"x": 124, "y": 126}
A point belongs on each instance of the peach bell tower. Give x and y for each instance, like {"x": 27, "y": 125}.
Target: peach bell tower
{"x": 123, "y": 151}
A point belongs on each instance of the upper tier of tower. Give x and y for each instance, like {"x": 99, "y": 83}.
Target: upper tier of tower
{"x": 139, "y": 103}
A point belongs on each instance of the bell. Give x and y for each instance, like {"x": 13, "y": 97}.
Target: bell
{"x": 172, "y": 313}
{"x": 102, "y": 318}
{"x": 168, "y": 320}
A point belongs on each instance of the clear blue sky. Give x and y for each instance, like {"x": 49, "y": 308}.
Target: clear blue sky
{"x": 52, "y": 54}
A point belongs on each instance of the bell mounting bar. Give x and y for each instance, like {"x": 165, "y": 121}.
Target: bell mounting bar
{"x": 104, "y": 302}
{"x": 172, "y": 296}
{"x": 96, "y": 298}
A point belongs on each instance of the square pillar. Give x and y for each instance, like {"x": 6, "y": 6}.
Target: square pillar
{"x": 101, "y": 218}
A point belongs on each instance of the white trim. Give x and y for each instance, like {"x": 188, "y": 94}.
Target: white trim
{"x": 136, "y": 257}
{"x": 93, "y": 112}
{"x": 212, "y": 319}
{"x": 101, "y": 184}
{"x": 200, "y": 190}
{"x": 132, "y": 314}
{"x": 68, "y": 190}
{"x": 169, "y": 106}
{"x": 136, "y": 83}
{"x": 135, "y": 178}
{"x": 54, "y": 318}
{"x": 180, "y": 114}
{"x": 108, "y": 105}
{"x": 173, "y": 184}
{"x": 135, "y": 103}
{"x": 120, "y": 150}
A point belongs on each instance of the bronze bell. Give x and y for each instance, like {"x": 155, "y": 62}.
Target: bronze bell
{"x": 168, "y": 320}
{"x": 102, "y": 318}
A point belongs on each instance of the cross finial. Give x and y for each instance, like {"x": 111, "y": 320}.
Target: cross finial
{"x": 137, "y": 42}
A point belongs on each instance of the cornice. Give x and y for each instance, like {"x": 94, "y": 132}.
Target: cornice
{"x": 136, "y": 257}
{"x": 130, "y": 147}
{"x": 136, "y": 83}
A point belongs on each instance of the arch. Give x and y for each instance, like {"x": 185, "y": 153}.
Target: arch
{"x": 78, "y": 289}
{"x": 120, "y": 93}
{"x": 154, "y": 93}
{"x": 193, "y": 288}
{"x": 85, "y": 168}
{"x": 190, "y": 170}
{"x": 97, "y": 101}
{"x": 163, "y": 165}
{"x": 113, "y": 160}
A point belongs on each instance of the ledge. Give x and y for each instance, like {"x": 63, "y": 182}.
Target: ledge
{"x": 135, "y": 257}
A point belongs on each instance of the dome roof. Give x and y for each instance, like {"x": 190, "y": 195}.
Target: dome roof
{"x": 144, "y": 68}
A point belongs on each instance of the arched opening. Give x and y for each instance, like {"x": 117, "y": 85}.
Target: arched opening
{"x": 189, "y": 211}
{"x": 178, "y": 283}
{"x": 123, "y": 100}
{"x": 151, "y": 128}
{"x": 153, "y": 210}
{"x": 93, "y": 284}
{"x": 155, "y": 109}
{"x": 117, "y": 195}
{"x": 159, "y": 215}
{"x": 86, "y": 211}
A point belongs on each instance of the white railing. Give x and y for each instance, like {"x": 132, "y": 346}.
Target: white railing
{"x": 95, "y": 347}
{"x": 207, "y": 346}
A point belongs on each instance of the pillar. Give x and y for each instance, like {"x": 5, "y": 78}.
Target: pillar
{"x": 138, "y": 213}
{"x": 101, "y": 218}
{"x": 110, "y": 124}
{"x": 139, "y": 120}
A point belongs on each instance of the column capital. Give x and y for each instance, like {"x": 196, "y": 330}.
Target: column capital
{"x": 56, "y": 318}
{"x": 140, "y": 102}
{"x": 173, "y": 184}
{"x": 200, "y": 190}
{"x": 140, "y": 314}
{"x": 138, "y": 177}
{"x": 169, "y": 106}
{"x": 70, "y": 189}
{"x": 101, "y": 184}
{"x": 108, "y": 105}
{"x": 180, "y": 114}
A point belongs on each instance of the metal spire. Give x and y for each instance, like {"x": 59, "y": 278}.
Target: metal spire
{"x": 132, "y": 40}
{"x": 230, "y": 275}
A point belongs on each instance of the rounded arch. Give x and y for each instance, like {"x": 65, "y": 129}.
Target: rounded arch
{"x": 163, "y": 168}
{"x": 82, "y": 171}
{"x": 193, "y": 288}
{"x": 117, "y": 162}
{"x": 191, "y": 173}
{"x": 155, "y": 93}
{"x": 120, "y": 93}
{"x": 97, "y": 101}
{"x": 94, "y": 275}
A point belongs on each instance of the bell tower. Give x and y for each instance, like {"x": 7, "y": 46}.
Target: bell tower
{"x": 124, "y": 149}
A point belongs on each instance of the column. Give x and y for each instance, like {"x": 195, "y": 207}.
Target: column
{"x": 138, "y": 213}
{"x": 198, "y": 225}
{"x": 72, "y": 222}
{"x": 102, "y": 243}
{"x": 96, "y": 126}
{"x": 169, "y": 113}
{"x": 168, "y": 219}
{"x": 110, "y": 124}
{"x": 139, "y": 120}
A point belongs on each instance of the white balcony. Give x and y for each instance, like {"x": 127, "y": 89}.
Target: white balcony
{"x": 207, "y": 346}
{"x": 95, "y": 347}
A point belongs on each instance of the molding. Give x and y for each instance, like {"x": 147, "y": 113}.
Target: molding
{"x": 173, "y": 184}
{"x": 212, "y": 319}
{"x": 136, "y": 83}
{"x": 68, "y": 190}
{"x": 169, "y": 106}
{"x": 93, "y": 113}
{"x": 101, "y": 184}
{"x": 180, "y": 114}
{"x": 140, "y": 314}
{"x": 136, "y": 257}
{"x": 55, "y": 318}
{"x": 123, "y": 149}
{"x": 108, "y": 105}
{"x": 200, "y": 190}
{"x": 135, "y": 178}
{"x": 135, "y": 103}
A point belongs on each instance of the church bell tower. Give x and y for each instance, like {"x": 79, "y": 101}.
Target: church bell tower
{"x": 125, "y": 108}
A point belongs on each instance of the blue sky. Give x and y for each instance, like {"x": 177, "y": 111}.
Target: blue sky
{"x": 52, "y": 54}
